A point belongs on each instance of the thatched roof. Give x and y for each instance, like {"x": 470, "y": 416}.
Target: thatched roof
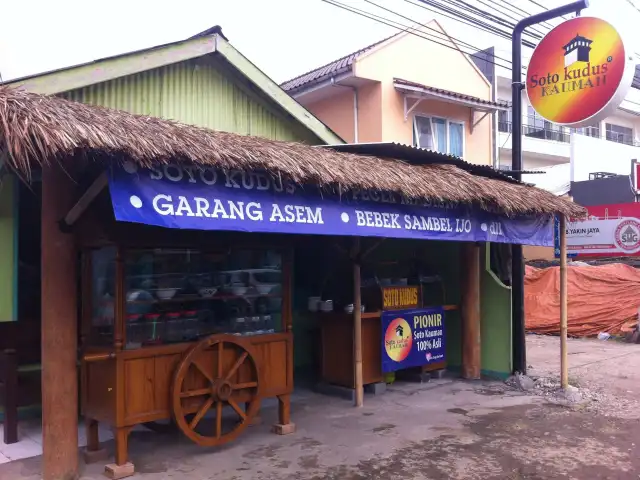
{"x": 37, "y": 129}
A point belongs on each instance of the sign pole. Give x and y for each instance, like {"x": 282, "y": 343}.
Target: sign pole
{"x": 357, "y": 324}
{"x": 519, "y": 360}
{"x": 564, "y": 371}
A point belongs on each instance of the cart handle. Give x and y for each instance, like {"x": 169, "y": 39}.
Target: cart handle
{"x": 99, "y": 357}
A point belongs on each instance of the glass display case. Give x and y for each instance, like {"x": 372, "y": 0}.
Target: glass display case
{"x": 181, "y": 295}
{"x": 102, "y": 283}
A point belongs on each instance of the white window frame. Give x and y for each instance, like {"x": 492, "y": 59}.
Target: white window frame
{"x": 447, "y": 121}
{"x": 606, "y": 131}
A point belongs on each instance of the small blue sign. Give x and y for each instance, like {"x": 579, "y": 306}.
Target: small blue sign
{"x": 412, "y": 338}
{"x": 556, "y": 239}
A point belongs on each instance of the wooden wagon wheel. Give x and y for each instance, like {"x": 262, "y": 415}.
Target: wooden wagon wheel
{"x": 224, "y": 371}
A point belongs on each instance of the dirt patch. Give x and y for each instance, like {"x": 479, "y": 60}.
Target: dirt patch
{"x": 458, "y": 411}
{"x": 384, "y": 428}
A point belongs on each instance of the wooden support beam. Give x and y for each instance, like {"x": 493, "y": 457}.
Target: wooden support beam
{"x": 59, "y": 331}
{"x": 564, "y": 370}
{"x": 470, "y": 266}
{"x": 357, "y": 324}
{"x": 85, "y": 200}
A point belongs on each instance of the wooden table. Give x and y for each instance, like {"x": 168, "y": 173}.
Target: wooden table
{"x": 336, "y": 364}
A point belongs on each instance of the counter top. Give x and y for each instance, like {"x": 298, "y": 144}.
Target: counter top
{"x": 378, "y": 314}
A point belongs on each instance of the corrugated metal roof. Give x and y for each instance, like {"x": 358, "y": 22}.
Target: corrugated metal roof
{"x": 418, "y": 156}
{"x": 336, "y": 67}
{"x": 449, "y": 93}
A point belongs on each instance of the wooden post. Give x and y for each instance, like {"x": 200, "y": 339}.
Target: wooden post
{"x": 470, "y": 266}
{"x": 357, "y": 324}
{"x": 564, "y": 371}
{"x": 59, "y": 331}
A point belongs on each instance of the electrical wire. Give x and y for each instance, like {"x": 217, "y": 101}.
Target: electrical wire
{"x": 633, "y": 5}
{"x": 402, "y": 27}
{"x": 519, "y": 11}
{"x": 458, "y": 16}
{"x": 537, "y": 4}
{"x": 516, "y": 19}
{"x": 490, "y": 16}
{"x": 445, "y": 35}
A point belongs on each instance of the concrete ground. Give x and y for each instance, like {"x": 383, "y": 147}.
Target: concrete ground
{"x": 446, "y": 429}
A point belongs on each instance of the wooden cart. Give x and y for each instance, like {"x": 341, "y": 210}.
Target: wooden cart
{"x": 209, "y": 387}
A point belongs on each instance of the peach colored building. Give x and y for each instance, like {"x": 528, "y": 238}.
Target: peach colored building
{"x": 409, "y": 90}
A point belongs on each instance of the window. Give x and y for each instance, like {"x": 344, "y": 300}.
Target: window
{"x": 619, "y": 134}
{"x": 590, "y": 130}
{"x": 439, "y": 134}
{"x": 537, "y": 127}
{"x": 504, "y": 120}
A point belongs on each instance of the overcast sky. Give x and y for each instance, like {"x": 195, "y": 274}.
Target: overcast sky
{"x": 282, "y": 37}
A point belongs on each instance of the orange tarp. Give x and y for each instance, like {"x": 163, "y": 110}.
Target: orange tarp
{"x": 601, "y": 299}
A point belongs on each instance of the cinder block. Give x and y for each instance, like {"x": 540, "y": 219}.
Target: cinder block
{"x": 376, "y": 388}
{"x": 284, "y": 429}
{"x": 95, "y": 456}
{"x": 115, "y": 472}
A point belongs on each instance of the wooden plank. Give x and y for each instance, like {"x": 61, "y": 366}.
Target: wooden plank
{"x": 85, "y": 200}
{"x": 470, "y": 265}
{"x": 357, "y": 325}
{"x": 59, "y": 331}
{"x": 564, "y": 371}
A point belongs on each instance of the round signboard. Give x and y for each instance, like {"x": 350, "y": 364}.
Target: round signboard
{"x": 579, "y": 72}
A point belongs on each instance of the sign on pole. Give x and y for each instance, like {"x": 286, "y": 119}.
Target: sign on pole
{"x": 580, "y": 72}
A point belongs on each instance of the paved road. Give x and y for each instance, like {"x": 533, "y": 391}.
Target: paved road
{"x": 447, "y": 429}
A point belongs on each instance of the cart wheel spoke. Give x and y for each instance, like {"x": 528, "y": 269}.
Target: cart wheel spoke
{"x": 218, "y": 419}
{"x": 201, "y": 413}
{"x": 214, "y": 389}
{"x": 237, "y": 408}
{"x": 202, "y": 370}
{"x": 196, "y": 393}
{"x": 236, "y": 365}
{"x": 240, "y": 386}
{"x": 220, "y": 352}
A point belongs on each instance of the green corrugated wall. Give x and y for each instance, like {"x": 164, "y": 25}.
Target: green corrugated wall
{"x": 8, "y": 248}
{"x": 203, "y": 92}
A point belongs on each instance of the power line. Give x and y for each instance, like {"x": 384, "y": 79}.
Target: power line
{"x": 516, "y": 19}
{"x": 519, "y": 11}
{"x": 439, "y": 32}
{"x": 476, "y": 23}
{"x": 633, "y": 5}
{"x": 402, "y": 27}
{"x": 545, "y": 8}
{"x": 488, "y": 15}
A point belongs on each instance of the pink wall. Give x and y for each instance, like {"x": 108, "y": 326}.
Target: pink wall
{"x": 336, "y": 112}
{"x": 381, "y": 107}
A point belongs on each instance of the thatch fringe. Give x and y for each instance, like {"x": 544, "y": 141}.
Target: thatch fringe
{"x": 37, "y": 129}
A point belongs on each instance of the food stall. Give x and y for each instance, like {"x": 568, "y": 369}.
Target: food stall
{"x": 382, "y": 289}
{"x": 188, "y": 332}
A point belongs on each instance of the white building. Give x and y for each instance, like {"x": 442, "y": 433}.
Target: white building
{"x": 606, "y": 146}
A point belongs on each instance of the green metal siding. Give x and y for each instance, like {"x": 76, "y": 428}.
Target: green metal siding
{"x": 199, "y": 92}
{"x": 9, "y": 250}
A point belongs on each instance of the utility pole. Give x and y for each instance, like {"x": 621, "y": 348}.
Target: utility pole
{"x": 519, "y": 359}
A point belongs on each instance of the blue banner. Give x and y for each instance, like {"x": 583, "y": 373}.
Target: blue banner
{"x": 556, "y": 240}
{"x": 189, "y": 197}
{"x": 412, "y": 338}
